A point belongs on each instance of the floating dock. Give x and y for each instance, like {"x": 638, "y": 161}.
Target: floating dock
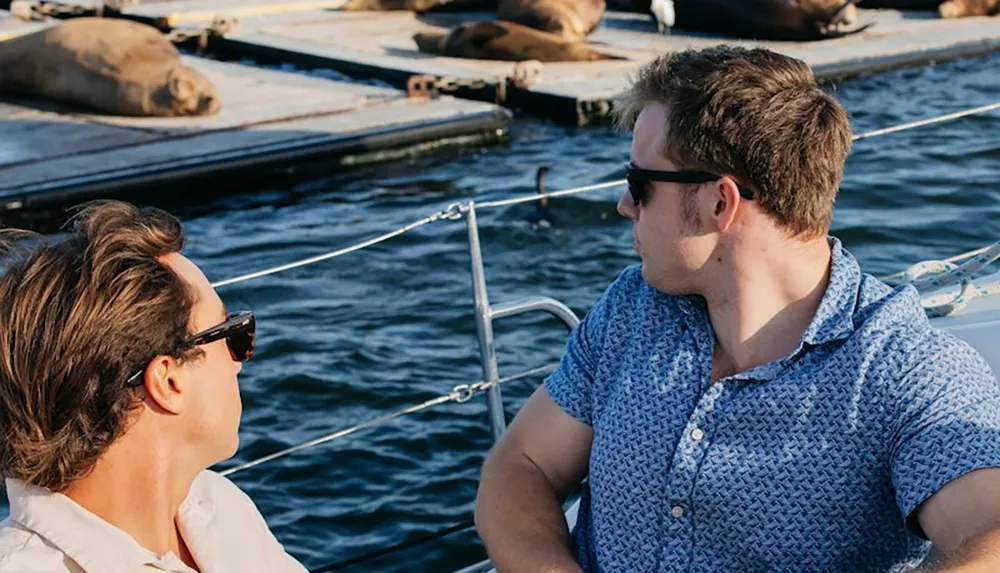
{"x": 51, "y": 155}
{"x": 379, "y": 45}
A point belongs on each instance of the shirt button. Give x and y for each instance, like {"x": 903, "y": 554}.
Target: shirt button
{"x": 697, "y": 434}
{"x": 677, "y": 511}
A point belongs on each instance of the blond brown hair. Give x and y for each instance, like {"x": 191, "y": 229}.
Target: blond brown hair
{"x": 78, "y": 316}
{"x": 756, "y": 115}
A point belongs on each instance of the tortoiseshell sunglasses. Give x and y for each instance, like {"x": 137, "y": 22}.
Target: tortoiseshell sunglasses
{"x": 239, "y": 331}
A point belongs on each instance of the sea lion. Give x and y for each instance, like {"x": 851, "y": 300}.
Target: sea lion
{"x": 966, "y": 8}
{"x": 505, "y": 41}
{"x": 901, "y": 4}
{"x": 804, "y": 20}
{"x": 571, "y": 20}
{"x": 110, "y": 65}
{"x": 543, "y": 30}
{"x": 416, "y": 5}
{"x": 950, "y": 9}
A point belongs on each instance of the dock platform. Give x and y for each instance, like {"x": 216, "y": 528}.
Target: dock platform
{"x": 51, "y": 154}
{"x": 379, "y": 45}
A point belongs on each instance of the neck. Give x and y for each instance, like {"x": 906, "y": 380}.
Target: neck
{"x": 138, "y": 487}
{"x": 763, "y": 299}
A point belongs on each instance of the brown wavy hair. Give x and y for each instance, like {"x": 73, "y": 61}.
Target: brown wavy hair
{"x": 79, "y": 314}
{"x": 756, "y": 115}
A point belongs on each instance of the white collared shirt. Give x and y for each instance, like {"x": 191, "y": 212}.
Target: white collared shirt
{"x": 50, "y": 533}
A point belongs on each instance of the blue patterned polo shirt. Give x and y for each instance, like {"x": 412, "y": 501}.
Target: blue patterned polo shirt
{"x": 811, "y": 463}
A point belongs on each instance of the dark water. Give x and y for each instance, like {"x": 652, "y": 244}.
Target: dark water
{"x": 348, "y": 339}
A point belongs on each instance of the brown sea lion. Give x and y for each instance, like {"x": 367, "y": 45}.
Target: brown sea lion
{"x": 110, "y": 65}
{"x": 543, "y": 30}
{"x": 416, "y": 5}
{"x": 901, "y": 4}
{"x": 571, "y": 20}
{"x": 950, "y": 9}
{"x": 965, "y": 8}
{"x": 803, "y": 20}
{"x": 505, "y": 41}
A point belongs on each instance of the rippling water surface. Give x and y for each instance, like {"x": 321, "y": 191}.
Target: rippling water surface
{"x": 349, "y": 339}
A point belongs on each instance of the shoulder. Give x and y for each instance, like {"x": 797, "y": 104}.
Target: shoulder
{"x": 891, "y": 323}
{"x": 913, "y": 356}
{"x": 908, "y": 335}
{"x": 23, "y": 551}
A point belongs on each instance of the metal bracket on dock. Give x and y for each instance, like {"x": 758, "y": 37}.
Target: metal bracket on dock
{"x": 524, "y": 75}
{"x": 34, "y": 10}
{"x": 219, "y": 27}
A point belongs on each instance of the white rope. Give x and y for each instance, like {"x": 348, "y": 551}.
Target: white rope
{"x": 961, "y": 257}
{"x": 929, "y": 121}
{"x": 936, "y": 306}
{"x": 301, "y": 263}
{"x": 455, "y": 210}
{"x": 934, "y": 275}
{"x": 540, "y": 196}
{"x": 458, "y": 394}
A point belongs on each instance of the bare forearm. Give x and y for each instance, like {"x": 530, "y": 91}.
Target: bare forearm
{"x": 520, "y": 519}
{"x": 978, "y": 555}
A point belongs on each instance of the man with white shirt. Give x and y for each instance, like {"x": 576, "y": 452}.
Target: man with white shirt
{"x": 118, "y": 388}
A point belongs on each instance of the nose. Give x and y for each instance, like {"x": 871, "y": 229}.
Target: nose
{"x": 626, "y": 208}
{"x": 208, "y": 105}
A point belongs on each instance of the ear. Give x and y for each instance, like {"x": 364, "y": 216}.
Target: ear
{"x": 180, "y": 85}
{"x": 164, "y": 385}
{"x": 726, "y": 201}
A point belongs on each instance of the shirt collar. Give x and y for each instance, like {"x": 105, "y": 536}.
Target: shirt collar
{"x": 834, "y": 319}
{"x": 94, "y": 544}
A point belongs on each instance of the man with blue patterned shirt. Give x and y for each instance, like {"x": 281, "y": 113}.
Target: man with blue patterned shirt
{"x": 746, "y": 399}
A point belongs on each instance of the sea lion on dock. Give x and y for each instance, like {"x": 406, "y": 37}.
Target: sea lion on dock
{"x": 417, "y": 6}
{"x": 110, "y": 65}
{"x": 571, "y": 20}
{"x": 543, "y": 30}
{"x": 966, "y": 8}
{"x": 505, "y": 41}
{"x": 804, "y": 20}
{"x": 901, "y": 4}
{"x": 950, "y": 9}
{"x": 758, "y": 19}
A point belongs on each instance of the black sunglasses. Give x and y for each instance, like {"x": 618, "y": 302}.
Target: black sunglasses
{"x": 639, "y": 179}
{"x": 239, "y": 330}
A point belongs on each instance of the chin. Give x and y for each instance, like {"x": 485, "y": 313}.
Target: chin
{"x": 228, "y": 452}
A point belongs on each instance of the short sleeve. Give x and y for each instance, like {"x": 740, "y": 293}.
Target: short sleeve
{"x": 571, "y": 387}
{"x": 948, "y": 421}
